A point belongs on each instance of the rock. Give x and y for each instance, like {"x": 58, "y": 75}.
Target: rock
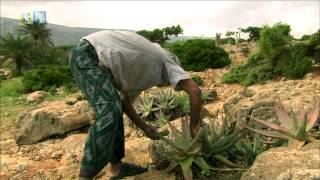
{"x": 161, "y": 154}
{"x": 73, "y": 145}
{"x": 49, "y": 119}
{"x": 21, "y": 167}
{"x": 5, "y": 73}
{"x": 36, "y": 96}
{"x": 282, "y": 163}
{"x": 56, "y": 155}
{"x": 259, "y": 100}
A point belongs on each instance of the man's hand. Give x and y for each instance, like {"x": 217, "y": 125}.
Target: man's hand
{"x": 151, "y": 132}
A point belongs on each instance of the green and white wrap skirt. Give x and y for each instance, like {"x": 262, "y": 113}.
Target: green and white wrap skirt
{"x": 105, "y": 140}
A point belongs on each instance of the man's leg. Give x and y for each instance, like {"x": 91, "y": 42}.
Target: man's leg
{"x": 105, "y": 141}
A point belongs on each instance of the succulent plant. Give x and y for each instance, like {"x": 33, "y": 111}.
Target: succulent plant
{"x": 145, "y": 106}
{"x": 250, "y": 150}
{"x": 182, "y": 101}
{"x": 293, "y": 129}
{"x": 207, "y": 95}
{"x": 218, "y": 139}
{"x": 161, "y": 118}
{"x": 187, "y": 150}
{"x": 210, "y": 142}
{"x": 164, "y": 100}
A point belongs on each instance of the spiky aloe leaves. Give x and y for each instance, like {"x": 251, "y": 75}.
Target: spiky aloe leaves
{"x": 187, "y": 149}
{"x": 146, "y": 106}
{"x": 292, "y": 128}
{"x": 164, "y": 100}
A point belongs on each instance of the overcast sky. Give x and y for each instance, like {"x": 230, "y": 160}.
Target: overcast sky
{"x": 196, "y": 18}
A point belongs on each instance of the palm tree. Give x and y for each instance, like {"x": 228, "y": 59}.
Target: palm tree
{"x": 38, "y": 31}
{"x": 16, "y": 48}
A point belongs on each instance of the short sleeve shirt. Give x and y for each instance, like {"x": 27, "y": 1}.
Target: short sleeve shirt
{"x": 136, "y": 64}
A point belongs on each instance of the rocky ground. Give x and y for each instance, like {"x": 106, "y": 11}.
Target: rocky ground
{"x": 59, "y": 157}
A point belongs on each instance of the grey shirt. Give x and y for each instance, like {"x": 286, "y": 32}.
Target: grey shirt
{"x": 135, "y": 63}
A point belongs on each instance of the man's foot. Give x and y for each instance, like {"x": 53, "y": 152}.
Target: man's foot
{"x": 128, "y": 170}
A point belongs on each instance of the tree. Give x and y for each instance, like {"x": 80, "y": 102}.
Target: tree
{"x": 254, "y": 32}
{"x": 17, "y": 48}
{"x": 161, "y": 35}
{"x": 229, "y": 35}
{"x": 37, "y": 31}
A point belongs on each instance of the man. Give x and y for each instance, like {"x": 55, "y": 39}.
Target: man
{"x": 106, "y": 62}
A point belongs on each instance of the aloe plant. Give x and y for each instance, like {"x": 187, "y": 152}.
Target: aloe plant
{"x": 210, "y": 142}
{"x": 183, "y": 102}
{"x": 187, "y": 150}
{"x": 293, "y": 129}
{"x": 207, "y": 95}
{"x": 164, "y": 100}
{"x": 250, "y": 150}
{"x": 146, "y": 106}
{"x": 218, "y": 139}
{"x": 162, "y": 118}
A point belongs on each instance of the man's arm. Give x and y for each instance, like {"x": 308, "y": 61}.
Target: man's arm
{"x": 132, "y": 114}
{"x": 194, "y": 92}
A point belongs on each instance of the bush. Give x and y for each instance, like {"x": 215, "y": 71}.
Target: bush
{"x": 257, "y": 70}
{"x": 293, "y": 62}
{"x": 51, "y": 56}
{"x": 45, "y": 77}
{"x": 273, "y": 40}
{"x": 199, "y": 54}
{"x": 198, "y": 80}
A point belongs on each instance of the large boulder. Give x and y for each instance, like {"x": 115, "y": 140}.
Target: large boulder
{"x": 283, "y": 163}
{"x": 259, "y": 100}
{"x": 51, "y": 118}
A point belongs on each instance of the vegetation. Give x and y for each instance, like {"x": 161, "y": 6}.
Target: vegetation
{"x": 45, "y": 77}
{"x": 254, "y": 32}
{"x": 37, "y": 31}
{"x": 199, "y": 54}
{"x": 198, "y": 80}
{"x": 161, "y": 35}
{"x": 295, "y": 130}
{"x": 16, "y": 48}
{"x": 11, "y": 87}
{"x": 277, "y": 56}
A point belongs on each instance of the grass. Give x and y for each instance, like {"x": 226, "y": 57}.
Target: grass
{"x": 12, "y": 102}
{"x": 11, "y": 87}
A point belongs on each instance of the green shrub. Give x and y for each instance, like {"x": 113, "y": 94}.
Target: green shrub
{"x": 199, "y": 54}
{"x": 256, "y": 70}
{"x": 273, "y": 40}
{"x": 276, "y": 56}
{"x": 313, "y": 46}
{"x": 46, "y": 76}
{"x": 198, "y": 80}
{"x": 51, "y": 56}
{"x": 293, "y": 63}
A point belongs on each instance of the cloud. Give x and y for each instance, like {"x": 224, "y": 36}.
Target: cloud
{"x": 196, "y": 17}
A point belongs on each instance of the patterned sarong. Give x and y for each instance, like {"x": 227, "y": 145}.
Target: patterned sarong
{"x": 105, "y": 141}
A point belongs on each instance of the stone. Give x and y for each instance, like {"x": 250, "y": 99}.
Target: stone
{"x": 21, "y": 167}
{"x": 259, "y": 100}
{"x": 49, "y": 119}
{"x": 283, "y": 163}
{"x": 36, "y": 96}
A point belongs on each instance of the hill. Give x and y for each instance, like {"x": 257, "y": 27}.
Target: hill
{"x": 65, "y": 35}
